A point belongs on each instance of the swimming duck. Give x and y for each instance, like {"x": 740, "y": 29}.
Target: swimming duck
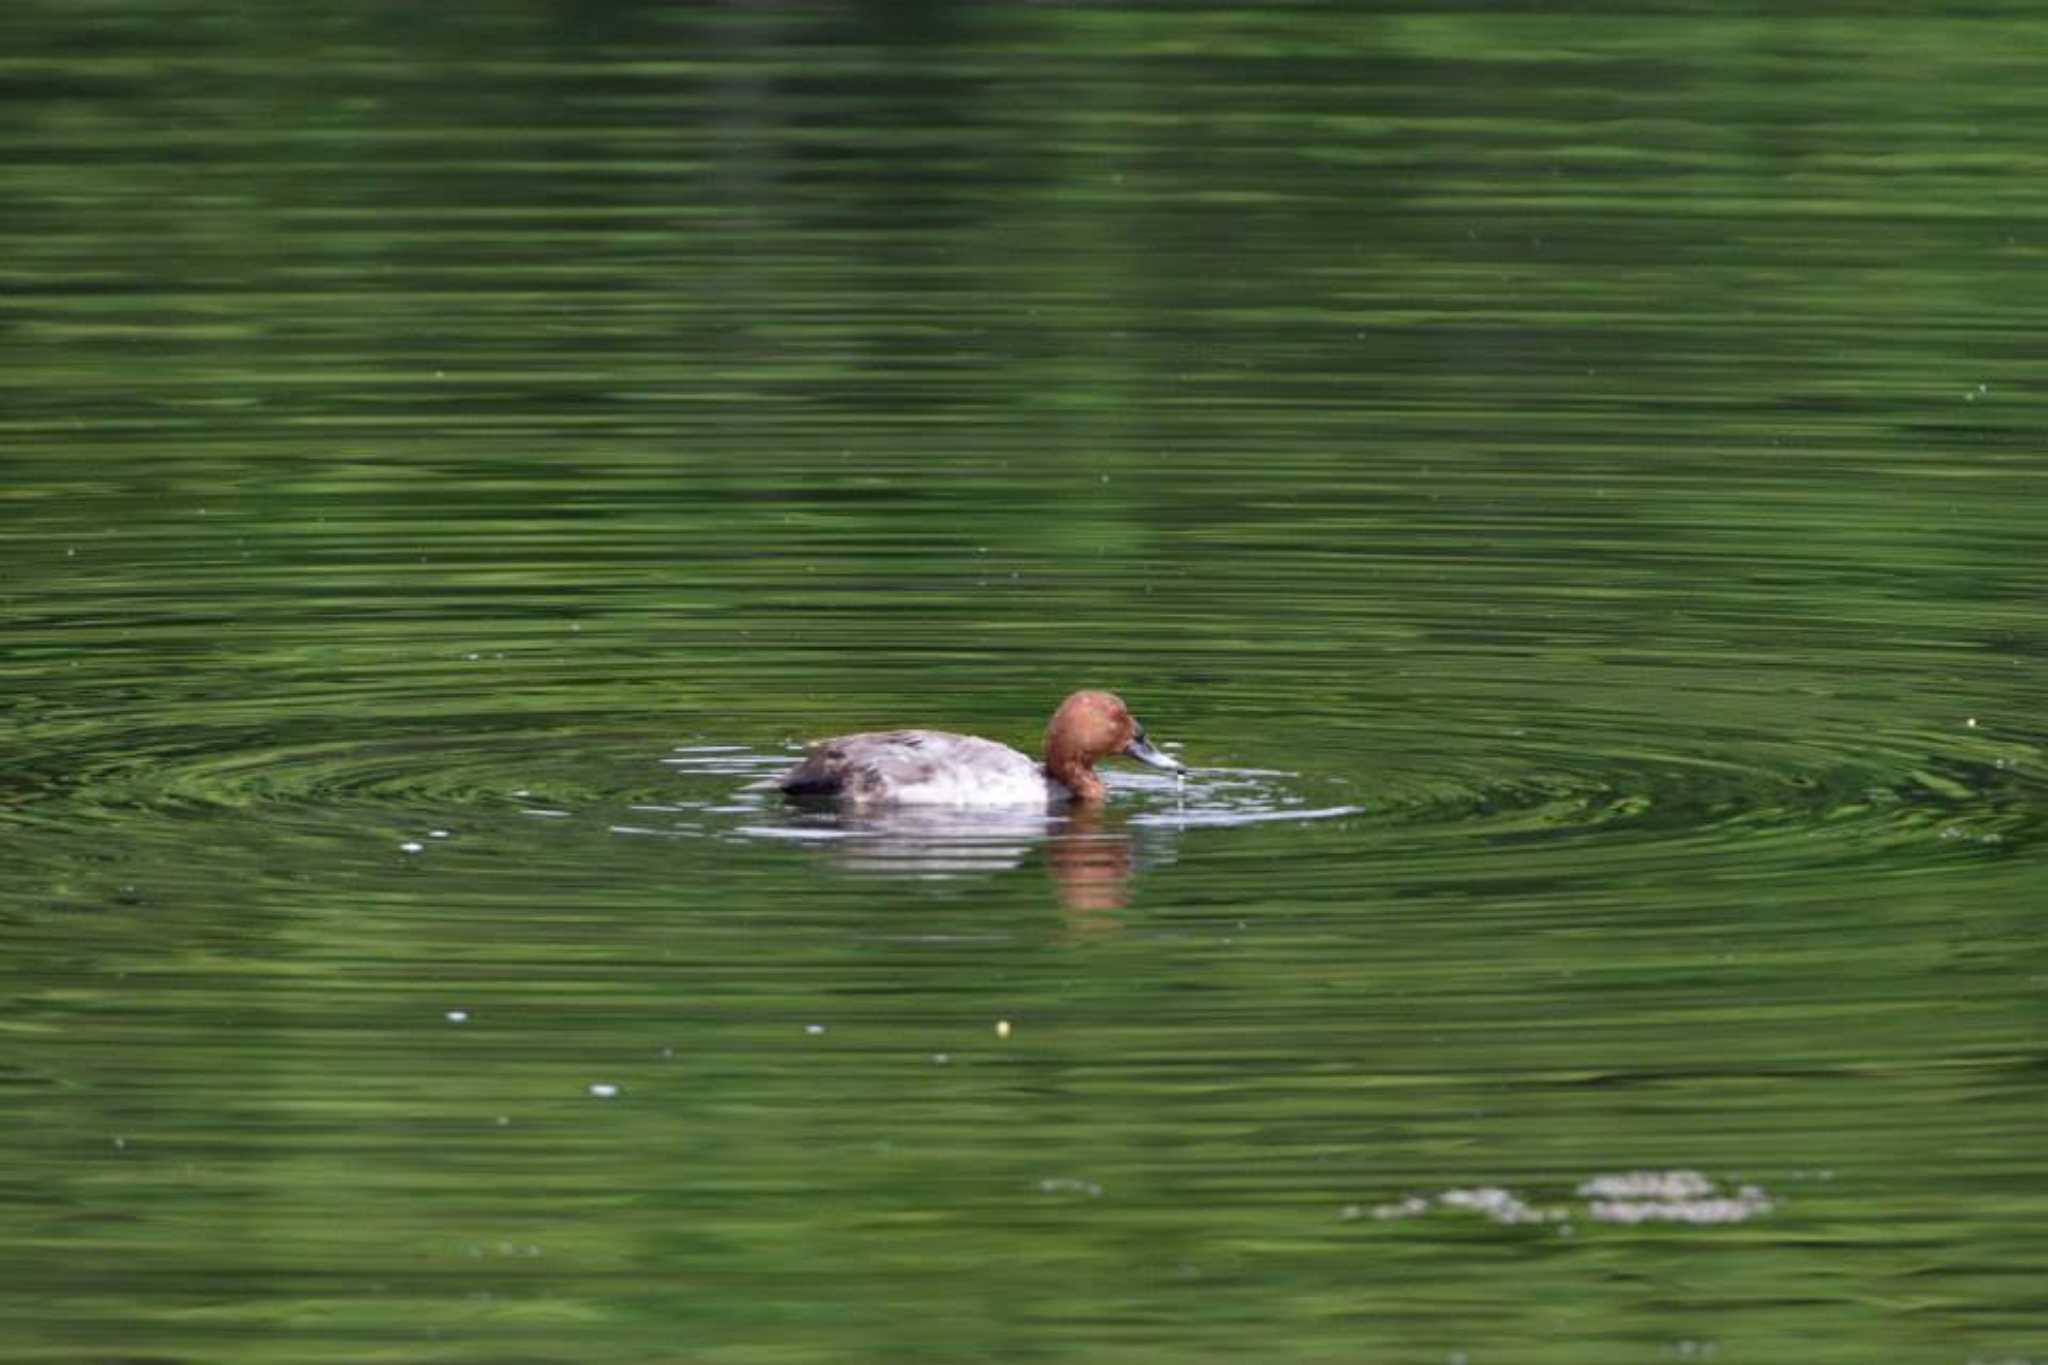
{"x": 932, "y": 767}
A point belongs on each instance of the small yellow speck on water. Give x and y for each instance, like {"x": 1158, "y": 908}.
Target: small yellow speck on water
{"x": 1002, "y": 1028}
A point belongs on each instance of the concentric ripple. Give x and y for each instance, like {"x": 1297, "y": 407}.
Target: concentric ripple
{"x": 1830, "y": 797}
{"x": 1767, "y": 803}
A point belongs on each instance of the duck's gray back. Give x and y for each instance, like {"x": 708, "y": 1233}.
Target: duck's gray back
{"x": 917, "y": 767}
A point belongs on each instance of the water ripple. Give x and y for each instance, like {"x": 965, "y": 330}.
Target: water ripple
{"x": 1964, "y": 789}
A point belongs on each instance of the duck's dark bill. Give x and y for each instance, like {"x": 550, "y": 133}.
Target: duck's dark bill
{"x": 1142, "y": 750}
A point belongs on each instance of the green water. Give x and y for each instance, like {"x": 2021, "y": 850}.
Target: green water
{"x": 1570, "y": 484}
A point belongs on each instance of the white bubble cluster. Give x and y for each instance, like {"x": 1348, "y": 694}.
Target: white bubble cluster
{"x": 1501, "y": 1205}
{"x": 1669, "y": 1197}
{"x": 1630, "y": 1197}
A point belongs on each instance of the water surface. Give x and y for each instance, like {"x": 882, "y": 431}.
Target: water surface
{"x": 1570, "y": 486}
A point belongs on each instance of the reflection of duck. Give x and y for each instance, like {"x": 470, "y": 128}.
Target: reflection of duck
{"x": 1091, "y": 868}
{"x": 932, "y": 841}
{"x": 935, "y": 768}
{"x": 1090, "y": 864}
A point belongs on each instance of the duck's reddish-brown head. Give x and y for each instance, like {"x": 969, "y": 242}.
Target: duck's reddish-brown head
{"x": 1093, "y": 725}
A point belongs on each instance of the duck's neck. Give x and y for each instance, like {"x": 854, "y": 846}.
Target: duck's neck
{"x": 1073, "y": 771}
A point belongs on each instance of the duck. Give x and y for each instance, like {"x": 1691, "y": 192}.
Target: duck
{"x": 938, "y": 768}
